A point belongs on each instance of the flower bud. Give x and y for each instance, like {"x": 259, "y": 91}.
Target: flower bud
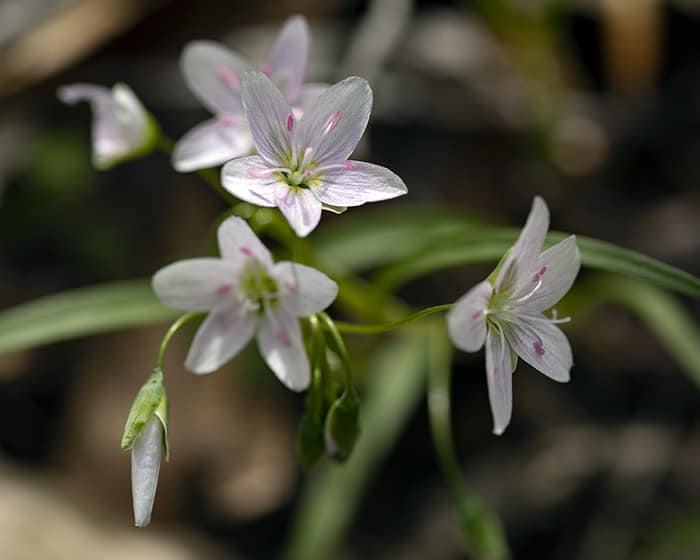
{"x": 146, "y": 435}
{"x": 310, "y": 441}
{"x": 342, "y": 426}
{"x": 122, "y": 129}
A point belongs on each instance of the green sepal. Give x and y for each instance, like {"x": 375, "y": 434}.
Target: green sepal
{"x": 494, "y": 274}
{"x": 151, "y": 399}
{"x": 310, "y": 445}
{"x": 334, "y": 209}
{"x": 342, "y": 426}
{"x": 162, "y": 415}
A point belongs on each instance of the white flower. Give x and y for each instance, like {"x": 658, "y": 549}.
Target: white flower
{"x": 303, "y": 164}
{"x": 247, "y": 294}
{"x": 121, "y": 127}
{"x": 213, "y": 73}
{"x": 507, "y": 314}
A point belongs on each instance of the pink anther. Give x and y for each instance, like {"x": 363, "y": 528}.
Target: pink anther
{"x": 290, "y": 122}
{"x": 348, "y": 165}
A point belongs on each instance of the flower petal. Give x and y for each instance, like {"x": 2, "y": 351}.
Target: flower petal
{"x": 212, "y": 143}
{"x": 300, "y": 206}
{"x": 269, "y": 116}
{"x": 305, "y": 290}
{"x": 308, "y": 95}
{"x": 194, "y": 284}
{"x": 499, "y": 377}
{"x": 466, "y": 321}
{"x": 542, "y": 345}
{"x": 557, "y": 268}
{"x": 219, "y": 338}
{"x": 519, "y": 261}
{"x": 359, "y": 182}
{"x": 109, "y": 144}
{"x": 250, "y": 179}
{"x": 334, "y": 124}
{"x": 130, "y": 115}
{"x": 213, "y": 73}
{"x": 286, "y": 63}
{"x": 281, "y": 345}
{"x": 237, "y": 242}
{"x": 146, "y": 455}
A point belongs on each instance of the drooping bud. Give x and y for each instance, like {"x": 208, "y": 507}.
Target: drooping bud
{"x": 146, "y": 435}
{"x": 342, "y": 426}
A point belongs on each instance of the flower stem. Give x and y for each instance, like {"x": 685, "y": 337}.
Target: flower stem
{"x": 482, "y": 529}
{"x": 355, "y": 328}
{"x": 339, "y": 348}
{"x": 171, "y": 331}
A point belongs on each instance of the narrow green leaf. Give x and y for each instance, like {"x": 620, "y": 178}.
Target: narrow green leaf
{"x": 81, "y": 312}
{"x": 489, "y": 245}
{"x": 396, "y": 383}
{"x": 662, "y": 313}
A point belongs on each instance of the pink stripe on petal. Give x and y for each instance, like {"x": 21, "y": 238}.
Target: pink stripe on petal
{"x": 332, "y": 122}
{"x": 228, "y": 78}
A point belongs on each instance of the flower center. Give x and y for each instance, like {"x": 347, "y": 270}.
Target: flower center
{"x": 257, "y": 289}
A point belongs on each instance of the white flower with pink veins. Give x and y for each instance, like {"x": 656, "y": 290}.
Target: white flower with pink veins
{"x": 303, "y": 166}
{"x": 246, "y": 295}
{"x": 213, "y": 73}
{"x": 505, "y": 313}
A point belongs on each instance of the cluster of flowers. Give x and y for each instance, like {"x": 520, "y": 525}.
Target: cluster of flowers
{"x": 303, "y": 136}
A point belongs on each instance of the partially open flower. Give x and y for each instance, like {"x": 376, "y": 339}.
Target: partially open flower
{"x": 213, "y": 73}
{"x": 121, "y": 127}
{"x": 303, "y": 164}
{"x": 505, "y": 312}
{"x": 247, "y": 295}
{"x": 146, "y": 435}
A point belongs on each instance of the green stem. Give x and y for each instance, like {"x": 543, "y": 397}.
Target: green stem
{"x": 482, "y": 529}
{"x": 171, "y": 331}
{"x": 355, "y": 328}
{"x": 340, "y": 349}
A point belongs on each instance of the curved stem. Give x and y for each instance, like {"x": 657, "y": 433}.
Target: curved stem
{"x": 340, "y": 348}
{"x": 171, "y": 331}
{"x": 355, "y": 328}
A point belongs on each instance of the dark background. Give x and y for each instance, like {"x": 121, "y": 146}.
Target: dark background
{"x": 478, "y": 105}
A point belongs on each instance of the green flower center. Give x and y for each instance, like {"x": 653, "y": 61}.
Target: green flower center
{"x": 257, "y": 287}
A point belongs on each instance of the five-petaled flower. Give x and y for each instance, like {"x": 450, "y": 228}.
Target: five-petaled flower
{"x": 247, "y": 293}
{"x": 303, "y": 164}
{"x": 121, "y": 127}
{"x": 506, "y": 314}
{"x": 213, "y": 73}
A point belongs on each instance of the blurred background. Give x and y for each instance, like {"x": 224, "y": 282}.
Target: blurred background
{"x": 479, "y": 105}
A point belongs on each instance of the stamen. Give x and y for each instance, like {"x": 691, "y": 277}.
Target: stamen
{"x": 332, "y": 122}
{"x": 306, "y": 158}
{"x": 539, "y": 273}
{"x": 290, "y": 122}
{"x": 228, "y": 78}
{"x": 531, "y": 293}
